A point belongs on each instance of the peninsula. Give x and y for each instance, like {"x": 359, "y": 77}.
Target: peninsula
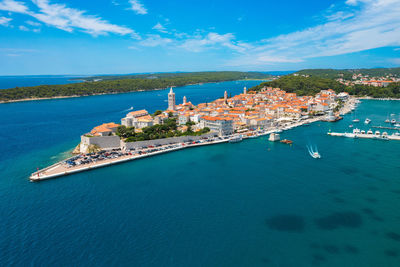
{"x": 100, "y": 85}
{"x": 227, "y": 119}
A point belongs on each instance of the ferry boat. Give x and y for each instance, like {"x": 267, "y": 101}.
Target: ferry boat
{"x": 367, "y": 121}
{"x": 235, "y": 139}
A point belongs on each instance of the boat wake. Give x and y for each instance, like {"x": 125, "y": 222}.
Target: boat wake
{"x": 125, "y": 110}
{"x": 313, "y": 152}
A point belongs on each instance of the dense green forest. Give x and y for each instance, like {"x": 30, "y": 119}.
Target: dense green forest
{"x": 312, "y": 85}
{"x": 348, "y": 73}
{"x": 124, "y": 85}
{"x": 302, "y": 85}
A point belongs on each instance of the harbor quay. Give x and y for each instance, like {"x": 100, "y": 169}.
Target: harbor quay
{"x": 227, "y": 119}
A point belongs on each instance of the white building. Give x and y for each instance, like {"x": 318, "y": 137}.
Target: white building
{"x": 221, "y": 125}
{"x": 138, "y": 119}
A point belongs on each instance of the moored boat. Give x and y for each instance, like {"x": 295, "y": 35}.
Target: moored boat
{"x": 235, "y": 139}
{"x": 367, "y": 121}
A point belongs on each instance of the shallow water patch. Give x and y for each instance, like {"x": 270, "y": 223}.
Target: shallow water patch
{"x": 345, "y": 219}
{"x": 287, "y": 223}
{"x": 394, "y": 236}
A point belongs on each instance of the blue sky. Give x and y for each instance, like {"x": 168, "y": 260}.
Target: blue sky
{"x": 133, "y": 36}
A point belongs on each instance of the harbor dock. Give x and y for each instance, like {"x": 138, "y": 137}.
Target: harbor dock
{"x": 366, "y": 136}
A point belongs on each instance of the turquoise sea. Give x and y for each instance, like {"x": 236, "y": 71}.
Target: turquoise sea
{"x": 33, "y": 80}
{"x": 252, "y": 203}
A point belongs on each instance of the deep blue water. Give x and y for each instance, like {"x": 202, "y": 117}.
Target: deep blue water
{"x": 33, "y": 80}
{"x": 252, "y": 203}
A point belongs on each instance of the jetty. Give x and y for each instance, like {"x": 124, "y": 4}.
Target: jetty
{"x": 369, "y": 135}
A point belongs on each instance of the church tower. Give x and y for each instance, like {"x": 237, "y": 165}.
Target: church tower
{"x": 245, "y": 90}
{"x": 184, "y": 100}
{"x": 226, "y": 97}
{"x": 171, "y": 100}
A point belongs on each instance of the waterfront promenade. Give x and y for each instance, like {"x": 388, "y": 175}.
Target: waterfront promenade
{"x": 61, "y": 169}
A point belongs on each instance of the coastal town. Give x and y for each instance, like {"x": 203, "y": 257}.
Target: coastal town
{"x": 227, "y": 119}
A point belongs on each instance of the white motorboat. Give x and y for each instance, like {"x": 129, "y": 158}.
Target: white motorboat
{"x": 393, "y": 121}
{"x": 235, "y": 139}
{"x": 313, "y": 153}
{"x": 367, "y": 121}
{"x": 351, "y": 126}
{"x": 356, "y": 120}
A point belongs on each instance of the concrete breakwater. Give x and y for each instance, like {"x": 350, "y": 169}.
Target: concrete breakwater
{"x": 59, "y": 169}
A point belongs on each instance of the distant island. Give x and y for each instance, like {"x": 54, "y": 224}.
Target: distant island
{"x": 376, "y": 83}
{"x": 122, "y": 84}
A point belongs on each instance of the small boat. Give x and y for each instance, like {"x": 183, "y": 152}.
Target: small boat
{"x": 387, "y": 120}
{"x": 367, "y": 121}
{"x": 253, "y": 136}
{"x": 286, "y": 141}
{"x": 314, "y": 153}
{"x": 235, "y": 139}
{"x": 356, "y": 120}
{"x": 351, "y": 126}
{"x": 393, "y": 121}
{"x": 397, "y": 125}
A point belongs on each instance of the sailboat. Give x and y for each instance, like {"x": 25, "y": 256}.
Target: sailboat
{"x": 313, "y": 153}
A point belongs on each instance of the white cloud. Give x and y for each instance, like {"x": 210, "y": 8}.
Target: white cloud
{"x": 372, "y": 24}
{"x": 13, "y": 6}
{"x": 159, "y": 27}
{"x": 211, "y": 40}
{"x": 4, "y": 21}
{"x": 138, "y": 7}
{"x": 33, "y": 23}
{"x": 198, "y": 42}
{"x": 153, "y": 40}
{"x": 68, "y": 19}
{"x": 23, "y": 28}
